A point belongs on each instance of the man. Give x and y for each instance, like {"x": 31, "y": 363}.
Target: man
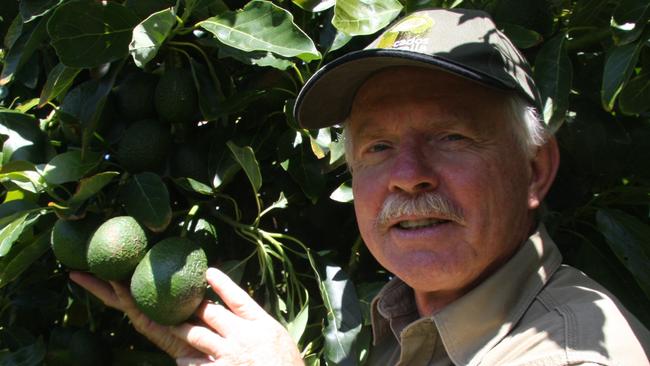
{"x": 449, "y": 166}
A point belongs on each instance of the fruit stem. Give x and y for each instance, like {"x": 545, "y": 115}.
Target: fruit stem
{"x": 299, "y": 74}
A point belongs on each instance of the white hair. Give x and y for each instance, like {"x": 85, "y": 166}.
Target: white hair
{"x": 529, "y": 128}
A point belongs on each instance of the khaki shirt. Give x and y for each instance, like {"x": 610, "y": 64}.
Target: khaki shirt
{"x": 532, "y": 311}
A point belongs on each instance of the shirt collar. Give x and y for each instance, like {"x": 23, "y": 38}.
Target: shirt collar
{"x": 474, "y": 323}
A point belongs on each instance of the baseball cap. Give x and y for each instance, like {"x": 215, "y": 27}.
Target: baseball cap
{"x": 463, "y": 42}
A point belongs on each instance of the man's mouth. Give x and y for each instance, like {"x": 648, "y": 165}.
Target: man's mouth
{"x": 421, "y": 223}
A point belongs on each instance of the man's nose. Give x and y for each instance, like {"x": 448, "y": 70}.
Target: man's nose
{"x": 412, "y": 171}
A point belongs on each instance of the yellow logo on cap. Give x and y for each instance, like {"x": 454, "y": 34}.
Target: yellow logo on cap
{"x": 408, "y": 33}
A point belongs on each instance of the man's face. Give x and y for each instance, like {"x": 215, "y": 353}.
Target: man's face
{"x": 416, "y": 132}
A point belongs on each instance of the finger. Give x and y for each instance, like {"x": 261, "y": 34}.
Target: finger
{"x": 103, "y": 290}
{"x": 201, "y": 338}
{"x": 233, "y": 296}
{"x": 193, "y": 362}
{"x": 123, "y": 294}
{"x": 219, "y": 318}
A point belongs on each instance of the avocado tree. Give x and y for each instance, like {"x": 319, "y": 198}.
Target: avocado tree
{"x": 178, "y": 114}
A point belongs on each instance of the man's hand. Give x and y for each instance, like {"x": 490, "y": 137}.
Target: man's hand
{"x": 244, "y": 334}
{"x": 117, "y": 296}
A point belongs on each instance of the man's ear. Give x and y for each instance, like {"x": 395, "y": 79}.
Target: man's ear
{"x": 544, "y": 166}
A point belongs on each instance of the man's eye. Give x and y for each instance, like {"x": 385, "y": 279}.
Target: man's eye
{"x": 378, "y": 147}
{"x": 454, "y": 137}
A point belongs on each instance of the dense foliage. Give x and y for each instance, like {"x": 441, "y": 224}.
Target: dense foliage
{"x": 178, "y": 113}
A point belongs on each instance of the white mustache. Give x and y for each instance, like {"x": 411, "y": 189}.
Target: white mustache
{"x": 428, "y": 204}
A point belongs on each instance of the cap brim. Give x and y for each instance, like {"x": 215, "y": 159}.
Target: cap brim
{"x": 326, "y": 98}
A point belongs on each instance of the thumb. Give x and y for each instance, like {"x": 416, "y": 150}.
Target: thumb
{"x": 237, "y": 300}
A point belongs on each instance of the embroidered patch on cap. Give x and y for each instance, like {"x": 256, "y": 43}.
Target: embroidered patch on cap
{"x": 408, "y": 34}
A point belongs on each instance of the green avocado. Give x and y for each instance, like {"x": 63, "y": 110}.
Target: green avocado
{"x": 135, "y": 96}
{"x": 69, "y": 241}
{"x": 176, "y": 99}
{"x": 116, "y": 247}
{"x": 169, "y": 283}
{"x": 144, "y": 146}
{"x": 88, "y": 349}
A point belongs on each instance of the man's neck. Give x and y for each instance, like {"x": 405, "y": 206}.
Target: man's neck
{"x": 429, "y": 303}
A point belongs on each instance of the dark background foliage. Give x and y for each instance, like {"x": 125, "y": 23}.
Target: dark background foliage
{"x": 277, "y": 196}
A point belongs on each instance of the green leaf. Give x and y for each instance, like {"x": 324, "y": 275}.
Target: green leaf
{"x": 521, "y": 36}
{"x": 32, "y": 9}
{"x": 144, "y": 8}
{"x": 89, "y": 33}
{"x": 58, "y": 80}
{"x": 356, "y": 17}
{"x": 234, "y": 269}
{"x": 619, "y": 66}
{"x": 150, "y": 34}
{"x": 22, "y": 49}
{"x": 262, "y": 26}
{"x": 92, "y": 112}
{"x": 245, "y": 157}
{"x": 321, "y": 143}
{"x": 202, "y": 9}
{"x": 10, "y": 233}
{"x": 15, "y": 264}
{"x": 314, "y": 6}
{"x": 146, "y": 198}
{"x": 628, "y": 239}
{"x": 211, "y": 98}
{"x": 340, "y": 40}
{"x": 344, "y": 318}
{"x": 635, "y": 96}
{"x": 257, "y": 58}
{"x": 296, "y": 327}
{"x": 337, "y": 151}
{"x": 629, "y": 20}
{"x": 69, "y": 167}
{"x": 225, "y": 167}
{"x": 367, "y": 292}
{"x": 28, "y": 180}
{"x": 281, "y": 202}
{"x": 85, "y": 102}
{"x": 587, "y": 12}
{"x": 343, "y": 193}
{"x": 90, "y": 186}
{"x": 306, "y": 170}
{"x": 14, "y": 207}
{"x": 553, "y": 75}
{"x": 30, "y": 355}
{"x": 14, "y": 30}
{"x": 195, "y": 186}
{"x": 25, "y": 140}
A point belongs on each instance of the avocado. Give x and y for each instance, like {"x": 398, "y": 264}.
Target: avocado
{"x": 169, "y": 283}
{"x": 144, "y": 146}
{"x": 176, "y": 99}
{"x": 69, "y": 241}
{"x": 204, "y": 234}
{"x": 135, "y": 96}
{"x": 190, "y": 161}
{"x": 88, "y": 349}
{"x": 116, "y": 247}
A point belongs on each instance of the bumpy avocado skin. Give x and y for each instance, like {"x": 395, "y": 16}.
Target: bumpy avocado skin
{"x": 169, "y": 283}
{"x": 144, "y": 146}
{"x": 116, "y": 248}
{"x": 69, "y": 240}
